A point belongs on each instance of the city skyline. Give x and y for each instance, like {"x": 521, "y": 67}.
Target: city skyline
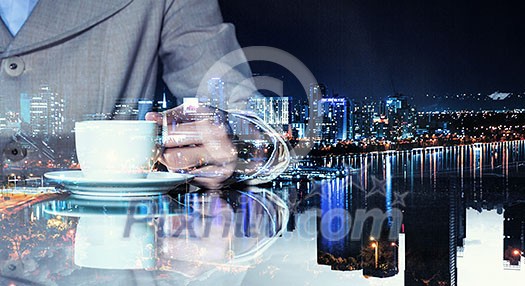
{"x": 339, "y": 118}
{"x": 373, "y": 48}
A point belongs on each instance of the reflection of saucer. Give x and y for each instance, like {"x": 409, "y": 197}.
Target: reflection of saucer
{"x": 155, "y": 183}
{"x": 136, "y": 207}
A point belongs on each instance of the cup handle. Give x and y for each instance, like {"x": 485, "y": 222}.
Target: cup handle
{"x": 280, "y": 157}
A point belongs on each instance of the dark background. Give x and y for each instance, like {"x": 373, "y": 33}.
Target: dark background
{"x": 376, "y": 48}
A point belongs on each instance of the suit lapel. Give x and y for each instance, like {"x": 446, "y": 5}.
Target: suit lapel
{"x": 5, "y": 37}
{"x": 55, "y": 20}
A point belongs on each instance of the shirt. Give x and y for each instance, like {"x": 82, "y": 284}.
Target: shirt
{"x": 14, "y": 13}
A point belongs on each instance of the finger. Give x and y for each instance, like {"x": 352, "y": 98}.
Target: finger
{"x": 168, "y": 117}
{"x": 181, "y": 139}
{"x": 184, "y": 134}
{"x": 176, "y": 115}
{"x": 185, "y": 158}
{"x": 196, "y": 133}
{"x": 154, "y": 116}
{"x": 189, "y": 113}
{"x": 221, "y": 153}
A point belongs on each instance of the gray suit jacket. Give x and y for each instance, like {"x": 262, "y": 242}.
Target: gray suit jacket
{"x": 91, "y": 55}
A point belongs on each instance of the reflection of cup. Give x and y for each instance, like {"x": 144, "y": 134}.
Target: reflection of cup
{"x": 213, "y": 235}
{"x": 116, "y": 148}
{"x": 103, "y": 242}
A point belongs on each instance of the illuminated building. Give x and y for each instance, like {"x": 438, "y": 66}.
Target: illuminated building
{"x": 25, "y": 103}
{"x": 38, "y": 116}
{"x": 335, "y": 119}
{"x": 43, "y": 112}
{"x": 273, "y": 110}
{"x": 298, "y": 130}
{"x": 300, "y": 112}
{"x": 363, "y": 115}
{"x": 316, "y": 93}
{"x": 401, "y": 117}
{"x": 380, "y": 127}
{"x": 299, "y": 118}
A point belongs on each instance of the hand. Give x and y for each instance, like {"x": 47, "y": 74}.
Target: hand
{"x": 197, "y": 143}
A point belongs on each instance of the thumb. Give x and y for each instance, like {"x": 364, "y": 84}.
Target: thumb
{"x": 154, "y": 116}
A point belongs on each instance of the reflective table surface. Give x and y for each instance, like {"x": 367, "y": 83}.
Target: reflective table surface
{"x": 438, "y": 216}
{"x": 185, "y": 237}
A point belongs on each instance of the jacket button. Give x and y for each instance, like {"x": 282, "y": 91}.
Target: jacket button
{"x": 15, "y": 151}
{"x": 14, "y": 66}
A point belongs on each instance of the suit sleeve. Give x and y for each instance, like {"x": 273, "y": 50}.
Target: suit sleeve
{"x": 196, "y": 47}
{"x": 193, "y": 46}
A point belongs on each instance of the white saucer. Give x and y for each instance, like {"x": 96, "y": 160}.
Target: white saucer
{"x": 155, "y": 183}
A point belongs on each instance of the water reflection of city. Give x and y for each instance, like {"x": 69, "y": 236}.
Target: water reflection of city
{"x": 456, "y": 203}
{"x": 421, "y": 198}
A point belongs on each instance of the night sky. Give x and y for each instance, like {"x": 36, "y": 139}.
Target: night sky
{"x": 373, "y": 48}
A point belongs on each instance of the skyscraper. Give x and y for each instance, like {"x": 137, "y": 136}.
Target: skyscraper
{"x": 401, "y": 117}
{"x": 318, "y": 90}
{"x": 363, "y": 114}
{"x": 315, "y": 120}
{"x": 300, "y": 111}
{"x": 25, "y": 103}
{"x": 299, "y": 118}
{"x": 274, "y": 110}
{"x": 335, "y": 119}
{"x": 56, "y": 110}
{"x": 44, "y": 112}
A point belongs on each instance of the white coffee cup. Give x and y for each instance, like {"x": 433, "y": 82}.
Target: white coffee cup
{"x": 116, "y": 149}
